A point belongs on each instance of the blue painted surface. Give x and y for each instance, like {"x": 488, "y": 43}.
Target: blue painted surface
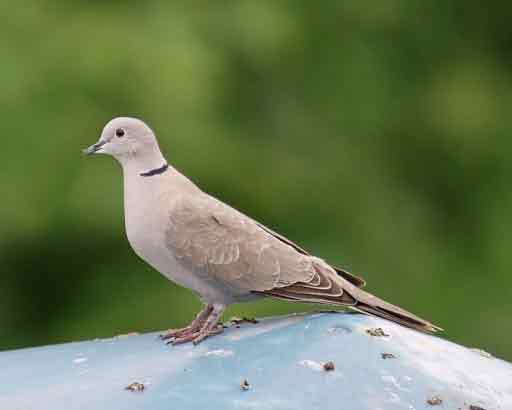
{"x": 282, "y": 360}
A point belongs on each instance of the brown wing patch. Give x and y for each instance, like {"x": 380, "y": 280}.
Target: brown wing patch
{"x": 324, "y": 287}
{"x": 355, "y": 280}
{"x": 224, "y": 244}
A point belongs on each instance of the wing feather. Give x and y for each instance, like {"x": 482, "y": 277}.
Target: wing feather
{"x": 217, "y": 240}
{"x": 208, "y": 234}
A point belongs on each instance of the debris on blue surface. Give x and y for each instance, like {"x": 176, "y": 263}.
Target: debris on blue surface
{"x": 315, "y": 361}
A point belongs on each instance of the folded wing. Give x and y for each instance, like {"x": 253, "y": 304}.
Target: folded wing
{"x": 248, "y": 257}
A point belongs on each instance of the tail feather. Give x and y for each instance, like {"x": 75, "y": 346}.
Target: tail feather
{"x": 355, "y": 280}
{"x": 421, "y": 325}
{"x": 374, "y": 306}
{"x": 343, "y": 292}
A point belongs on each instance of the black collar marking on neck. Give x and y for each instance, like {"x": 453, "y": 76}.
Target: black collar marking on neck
{"x": 155, "y": 171}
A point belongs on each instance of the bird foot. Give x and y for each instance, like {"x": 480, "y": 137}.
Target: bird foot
{"x": 182, "y": 332}
{"x": 196, "y": 337}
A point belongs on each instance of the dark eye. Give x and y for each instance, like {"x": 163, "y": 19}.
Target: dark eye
{"x": 119, "y": 132}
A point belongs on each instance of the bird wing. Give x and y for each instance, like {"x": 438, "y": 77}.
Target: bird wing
{"x": 353, "y": 279}
{"x": 232, "y": 248}
{"x": 236, "y": 250}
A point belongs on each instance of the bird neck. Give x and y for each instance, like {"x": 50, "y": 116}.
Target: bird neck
{"x": 147, "y": 165}
{"x": 155, "y": 171}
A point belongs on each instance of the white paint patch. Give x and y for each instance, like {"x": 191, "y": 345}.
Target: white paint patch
{"x": 220, "y": 353}
{"x": 393, "y": 397}
{"x": 388, "y": 378}
{"x": 311, "y": 364}
{"x": 79, "y": 360}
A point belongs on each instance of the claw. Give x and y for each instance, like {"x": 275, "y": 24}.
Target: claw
{"x": 197, "y": 337}
{"x": 204, "y": 325}
{"x": 196, "y": 324}
{"x": 203, "y": 335}
{"x": 183, "y": 339}
{"x": 173, "y": 333}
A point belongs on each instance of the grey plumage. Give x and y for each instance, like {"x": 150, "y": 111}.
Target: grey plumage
{"x": 247, "y": 257}
{"x": 221, "y": 254}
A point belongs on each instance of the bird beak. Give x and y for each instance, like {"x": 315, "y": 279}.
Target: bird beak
{"x": 94, "y": 148}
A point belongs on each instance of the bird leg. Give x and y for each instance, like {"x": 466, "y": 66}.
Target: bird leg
{"x": 193, "y": 327}
{"x": 210, "y": 327}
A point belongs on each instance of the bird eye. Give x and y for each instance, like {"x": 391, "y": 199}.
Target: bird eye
{"x": 119, "y": 132}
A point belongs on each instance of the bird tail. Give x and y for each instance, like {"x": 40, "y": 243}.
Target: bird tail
{"x": 338, "y": 289}
{"x": 372, "y": 305}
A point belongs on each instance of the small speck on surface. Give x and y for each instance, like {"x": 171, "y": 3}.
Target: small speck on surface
{"x": 135, "y": 387}
{"x": 388, "y": 356}
{"x": 329, "y": 366}
{"x": 435, "y": 401}
{"x": 237, "y": 321}
{"x": 244, "y": 385}
{"x": 377, "y": 332}
{"x": 475, "y": 407}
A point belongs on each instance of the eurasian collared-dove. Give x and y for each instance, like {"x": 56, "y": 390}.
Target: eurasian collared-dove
{"x": 224, "y": 256}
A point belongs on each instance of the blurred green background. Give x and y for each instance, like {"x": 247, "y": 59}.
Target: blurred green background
{"x": 374, "y": 133}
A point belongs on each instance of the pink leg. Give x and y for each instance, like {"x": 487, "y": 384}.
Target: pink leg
{"x": 210, "y": 327}
{"x": 193, "y": 327}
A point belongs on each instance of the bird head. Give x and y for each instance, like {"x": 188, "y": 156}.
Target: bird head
{"x": 126, "y": 139}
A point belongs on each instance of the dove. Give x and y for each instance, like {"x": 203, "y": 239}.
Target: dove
{"x": 221, "y": 254}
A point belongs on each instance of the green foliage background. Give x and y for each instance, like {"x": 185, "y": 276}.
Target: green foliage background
{"x": 374, "y": 133}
